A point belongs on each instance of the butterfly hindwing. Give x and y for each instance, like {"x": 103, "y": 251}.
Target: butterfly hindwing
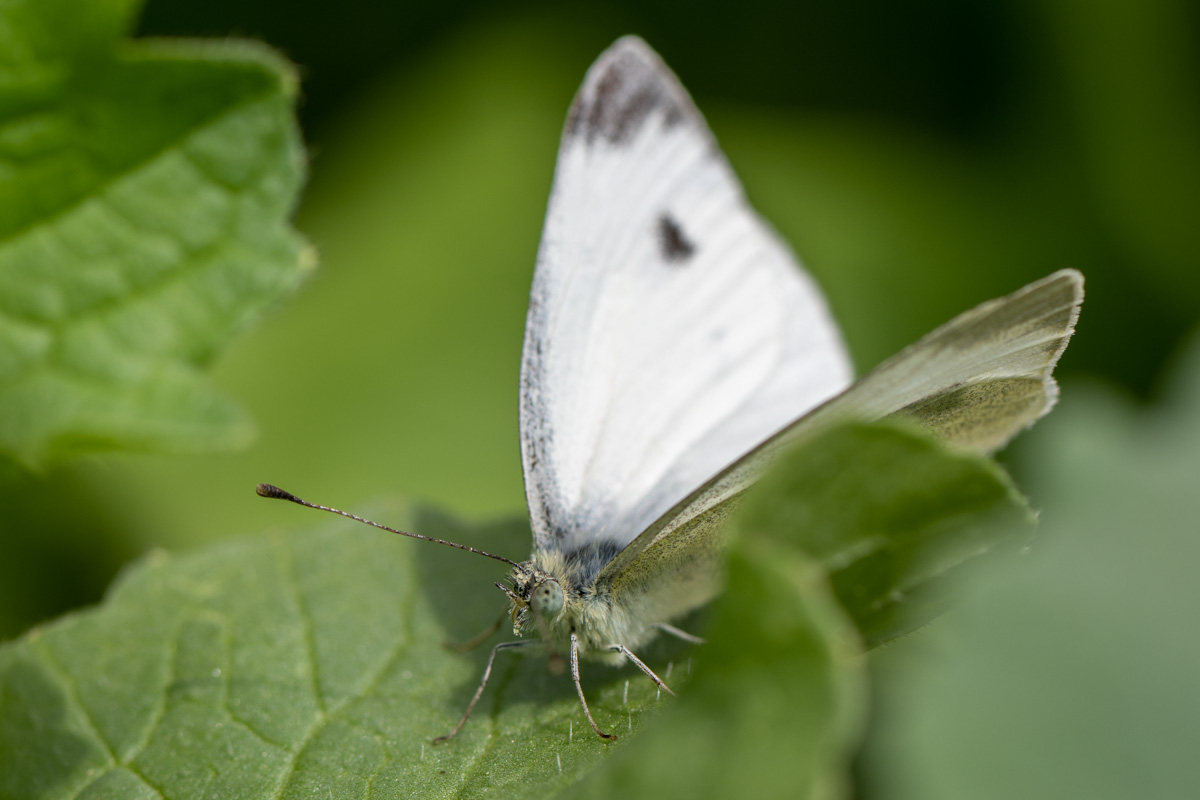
{"x": 975, "y": 382}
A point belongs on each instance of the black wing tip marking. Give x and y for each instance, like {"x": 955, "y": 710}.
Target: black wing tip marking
{"x": 674, "y": 244}
{"x": 626, "y": 86}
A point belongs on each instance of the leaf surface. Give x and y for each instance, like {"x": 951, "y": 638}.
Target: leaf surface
{"x": 891, "y": 515}
{"x": 145, "y": 189}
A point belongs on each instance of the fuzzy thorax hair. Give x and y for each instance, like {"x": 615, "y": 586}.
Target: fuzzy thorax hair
{"x": 587, "y": 612}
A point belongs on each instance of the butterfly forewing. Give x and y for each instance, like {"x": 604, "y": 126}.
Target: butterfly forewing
{"x": 669, "y": 330}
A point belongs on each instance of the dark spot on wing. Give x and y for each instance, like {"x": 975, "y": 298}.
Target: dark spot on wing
{"x": 627, "y": 87}
{"x": 674, "y": 244}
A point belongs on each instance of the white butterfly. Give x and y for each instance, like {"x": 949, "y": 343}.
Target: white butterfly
{"x": 674, "y": 346}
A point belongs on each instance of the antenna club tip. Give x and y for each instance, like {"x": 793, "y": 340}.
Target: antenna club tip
{"x": 269, "y": 490}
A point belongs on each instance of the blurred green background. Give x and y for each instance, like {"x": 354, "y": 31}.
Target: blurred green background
{"x": 920, "y": 157}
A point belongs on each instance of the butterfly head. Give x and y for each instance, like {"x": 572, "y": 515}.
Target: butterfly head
{"x": 537, "y": 596}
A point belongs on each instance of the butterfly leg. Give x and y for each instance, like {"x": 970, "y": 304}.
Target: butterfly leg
{"x": 608, "y": 737}
{"x": 487, "y": 673}
{"x": 623, "y": 650}
{"x": 678, "y": 634}
{"x": 479, "y": 638}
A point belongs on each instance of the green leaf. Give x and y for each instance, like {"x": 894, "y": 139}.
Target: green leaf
{"x": 892, "y": 515}
{"x": 1073, "y": 676}
{"x": 299, "y": 664}
{"x": 144, "y": 195}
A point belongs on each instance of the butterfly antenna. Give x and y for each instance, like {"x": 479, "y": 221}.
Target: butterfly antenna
{"x": 267, "y": 490}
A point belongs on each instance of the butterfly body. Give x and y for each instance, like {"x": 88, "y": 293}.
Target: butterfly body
{"x": 598, "y": 616}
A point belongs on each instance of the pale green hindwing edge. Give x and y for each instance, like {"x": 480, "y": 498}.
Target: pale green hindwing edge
{"x": 975, "y": 382}
{"x": 681, "y": 571}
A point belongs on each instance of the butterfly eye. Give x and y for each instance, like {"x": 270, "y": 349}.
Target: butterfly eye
{"x": 547, "y": 598}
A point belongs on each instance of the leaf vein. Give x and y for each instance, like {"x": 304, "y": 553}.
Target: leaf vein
{"x": 172, "y": 145}
{"x": 71, "y": 686}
